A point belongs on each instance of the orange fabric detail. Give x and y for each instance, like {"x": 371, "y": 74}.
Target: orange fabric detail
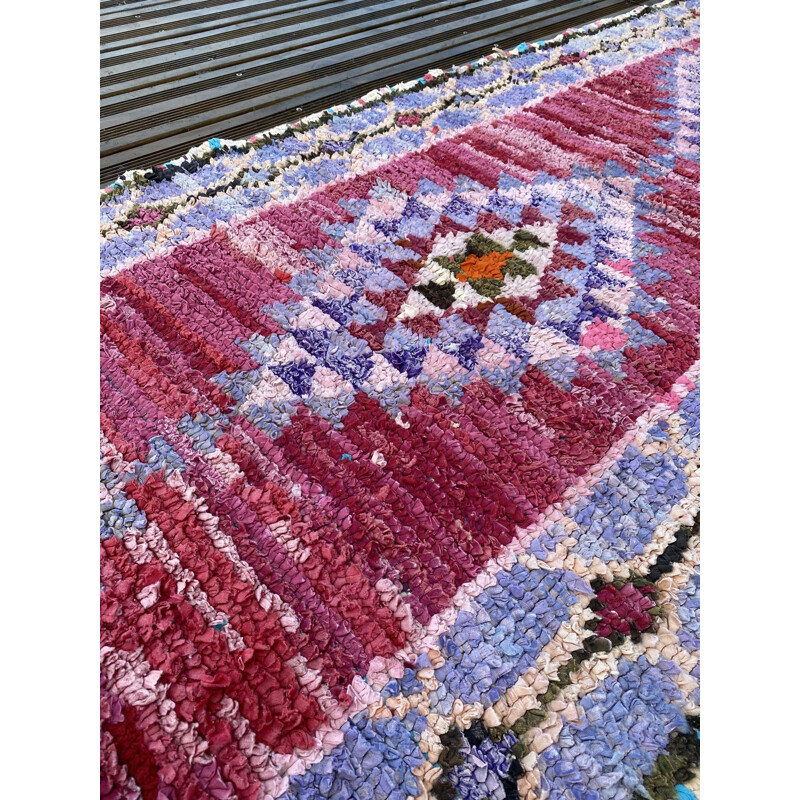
{"x": 488, "y": 266}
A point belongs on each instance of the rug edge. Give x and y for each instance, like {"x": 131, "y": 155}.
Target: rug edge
{"x": 210, "y": 147}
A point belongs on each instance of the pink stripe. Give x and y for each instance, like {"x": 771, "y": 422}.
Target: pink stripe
{"x": 179, "y": 368}
{"x": 194, "y": 308}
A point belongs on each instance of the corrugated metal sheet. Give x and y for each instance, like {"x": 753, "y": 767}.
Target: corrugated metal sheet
{"x": 174, "y": 74}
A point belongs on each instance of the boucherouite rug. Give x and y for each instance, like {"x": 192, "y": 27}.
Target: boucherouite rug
{"x": 400, "y": 441}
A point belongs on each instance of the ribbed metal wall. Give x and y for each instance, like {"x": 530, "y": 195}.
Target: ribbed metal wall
{"x": 175, "y": 73}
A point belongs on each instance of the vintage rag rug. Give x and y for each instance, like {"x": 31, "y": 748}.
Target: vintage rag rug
{"x": 400, "y": 446}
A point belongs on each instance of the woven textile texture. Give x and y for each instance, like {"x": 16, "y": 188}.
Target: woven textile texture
{"x": 400, "y": 444}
